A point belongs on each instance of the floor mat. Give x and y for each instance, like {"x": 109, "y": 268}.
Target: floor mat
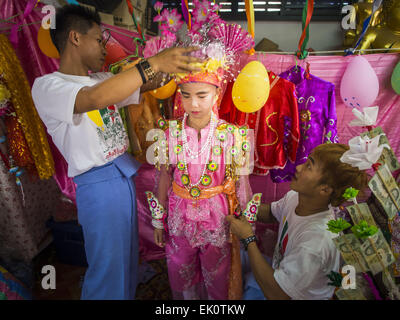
{"x": 153, "y": 278}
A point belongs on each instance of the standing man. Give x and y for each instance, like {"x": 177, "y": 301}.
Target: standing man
{"x": 80, "y": 111}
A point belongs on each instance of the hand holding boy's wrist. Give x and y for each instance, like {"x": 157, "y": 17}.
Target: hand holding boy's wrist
{"x": 246, "y": 228}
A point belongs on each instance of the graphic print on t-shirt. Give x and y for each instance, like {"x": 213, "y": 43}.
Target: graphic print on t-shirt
{"x": 111, "y": 131}
{"x": 281, "y": 245}
{"x": 284, "y": 238}
{"x": 95, "y": 116}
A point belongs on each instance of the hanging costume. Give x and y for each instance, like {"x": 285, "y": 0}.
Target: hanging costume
{"x": 273, "y": 149}
{"x": 317, "y": 114}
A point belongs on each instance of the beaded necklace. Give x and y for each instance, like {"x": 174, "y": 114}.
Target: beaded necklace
{"x": 209, "y": 140}
{"x": 205, "y": 179}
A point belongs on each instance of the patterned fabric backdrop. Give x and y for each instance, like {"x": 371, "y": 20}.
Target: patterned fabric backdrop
{"x": 23, "y": 227}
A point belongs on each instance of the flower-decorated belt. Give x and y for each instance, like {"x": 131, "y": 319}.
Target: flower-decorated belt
{"x": 228, "y": 187}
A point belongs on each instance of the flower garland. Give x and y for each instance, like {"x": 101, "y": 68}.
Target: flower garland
{"x": 219, "y": 42}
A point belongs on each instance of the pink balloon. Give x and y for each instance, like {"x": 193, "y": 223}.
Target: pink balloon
{"x": 360, "y": 86}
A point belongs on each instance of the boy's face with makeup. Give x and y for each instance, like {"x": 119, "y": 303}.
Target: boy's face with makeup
{"x": 198, "y": 99}
{"x": 307, "y": 178}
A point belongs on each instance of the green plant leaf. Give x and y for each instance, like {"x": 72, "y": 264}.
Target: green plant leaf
{"x": 337, "y": 226}
{"x": 336, "y": 279}
{"x": 363, "y": 230}
{"x": 350, "y": 193}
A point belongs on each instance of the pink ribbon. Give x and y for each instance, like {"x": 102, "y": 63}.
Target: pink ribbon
{"x": 185, "y": 12}
{"x": 14, "y": 31}
{"x": 372, "y": 286}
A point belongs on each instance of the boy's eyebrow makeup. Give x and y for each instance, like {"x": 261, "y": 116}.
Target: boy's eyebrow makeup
{"x": 197, "y": 93}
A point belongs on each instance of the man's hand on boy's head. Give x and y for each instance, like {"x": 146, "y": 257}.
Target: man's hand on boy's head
{"x": 174, "y": 60}
{"x": 240, "y": 226}
{"x": 159, "y": 80}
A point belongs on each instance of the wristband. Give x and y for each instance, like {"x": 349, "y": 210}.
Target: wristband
{"x": 148, "y": 70}
{"x": 140, "y": 69}
{"x": 248, "y": 240}
{"x": 2, "y": 139}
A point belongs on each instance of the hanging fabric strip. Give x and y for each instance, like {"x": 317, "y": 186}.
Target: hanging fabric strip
{"x": 137, "y": 25}
{"x": 250, "y": 20}
{"x": 307, "y": 14}
{"x": 376, "y": 5}
{"x": 214, "y": 4}
{"x": 372, "y": 286}
{"x": 186, "y": 13}
{"x": 73, "y": 2}
{"x": 14, "y": 31}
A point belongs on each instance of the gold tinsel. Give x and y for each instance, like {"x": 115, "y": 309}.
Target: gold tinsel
{"x": 388, "y": 5}
{"x": 27, "y": 115}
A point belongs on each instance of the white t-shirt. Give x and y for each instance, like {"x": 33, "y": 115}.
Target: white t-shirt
{"x": 305, "y": 253}
{"x": 86, "y": 140}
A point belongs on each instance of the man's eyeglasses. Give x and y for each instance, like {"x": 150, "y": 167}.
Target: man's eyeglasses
{"x": 106, "y": 34}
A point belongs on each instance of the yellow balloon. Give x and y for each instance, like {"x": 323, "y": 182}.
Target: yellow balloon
{"x": 46, "y": 44}
{"x": 165, "y": 91}
{"x": 251, "y": 88}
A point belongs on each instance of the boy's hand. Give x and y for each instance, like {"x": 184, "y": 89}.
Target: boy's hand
{"x": 159, "y": 237}
{"x": 240, "y": 227}
{"x": 174, "y": 60}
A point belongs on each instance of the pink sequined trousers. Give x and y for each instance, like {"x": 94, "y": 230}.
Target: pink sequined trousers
{"x": 193, "y": 269}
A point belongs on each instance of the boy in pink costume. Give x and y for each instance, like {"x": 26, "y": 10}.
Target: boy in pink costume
{"x": 198, "y": 245}
{"x": 204, "y": 170}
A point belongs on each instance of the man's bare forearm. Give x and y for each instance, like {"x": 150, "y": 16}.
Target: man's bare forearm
{"x": 108, "y": 92}
{"x": 265, "y": 215}
{"x": 264, "y": 275}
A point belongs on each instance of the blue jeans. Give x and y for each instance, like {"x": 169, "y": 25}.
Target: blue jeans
{"x": 251, "y": 289}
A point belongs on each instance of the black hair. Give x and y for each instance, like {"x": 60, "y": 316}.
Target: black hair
{"x": 72, "y": 17}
